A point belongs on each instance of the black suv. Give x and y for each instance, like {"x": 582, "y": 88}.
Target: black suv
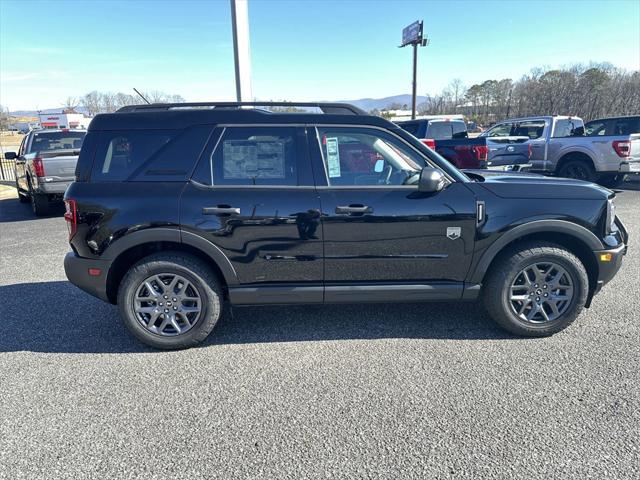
{"x": 179, "y": 208}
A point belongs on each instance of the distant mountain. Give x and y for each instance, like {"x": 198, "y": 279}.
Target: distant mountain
{"x": 381, "y": 103}
{"x": 34, "y": 113}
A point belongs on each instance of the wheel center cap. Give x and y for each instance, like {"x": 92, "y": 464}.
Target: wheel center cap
{"x": 168, "y": 304}
{"x": 538, "y": 292}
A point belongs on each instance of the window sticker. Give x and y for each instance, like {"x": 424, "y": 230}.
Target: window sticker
{"x": 253, "y": 159}
{"x": 333, "y": 157}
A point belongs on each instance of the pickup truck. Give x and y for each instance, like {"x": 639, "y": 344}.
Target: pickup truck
{"x": 560, "y": 147}
{"x": 450, "y": 139}
{"x": 45, "y": 165}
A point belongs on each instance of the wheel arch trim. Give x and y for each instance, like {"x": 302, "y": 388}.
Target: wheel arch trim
{"x": 163, "y": 234}
{"x": 539, "y": 226}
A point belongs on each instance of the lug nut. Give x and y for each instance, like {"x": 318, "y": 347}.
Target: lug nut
{"x": 164, "y": 296}
{"x": 175, "y": 308}
{"x": 166, "y": 311}
{"x": 160, "y": 304}
{"x": 537, "y": 299}
{"x": 175, "y": 299}
{"x": 544, "y": 286}
{"x": 546, "y": 294}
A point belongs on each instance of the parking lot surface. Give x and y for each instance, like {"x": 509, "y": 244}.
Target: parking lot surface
{"x": 382, "y": 391}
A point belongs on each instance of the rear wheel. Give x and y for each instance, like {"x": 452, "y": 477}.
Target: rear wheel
{"x": 39, "y": 204}
{"x": 578, "y": 169}
{"x": 170, "y": 300}
{"x": 536, "y": 290}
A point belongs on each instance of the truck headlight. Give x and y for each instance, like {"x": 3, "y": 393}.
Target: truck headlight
{"x": 611, "y": 216}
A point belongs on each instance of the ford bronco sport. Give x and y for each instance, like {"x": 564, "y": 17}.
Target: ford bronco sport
{"x": 179, "y": 208}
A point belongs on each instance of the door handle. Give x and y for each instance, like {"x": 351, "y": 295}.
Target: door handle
{"x": 349, "y": 209}
{"x": 221, "y": 210}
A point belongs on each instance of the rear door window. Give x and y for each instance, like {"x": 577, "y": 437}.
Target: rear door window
{"x": 569, "y": 127}
{"x": 597, "y": 128}
{"x": 256, "y": 156}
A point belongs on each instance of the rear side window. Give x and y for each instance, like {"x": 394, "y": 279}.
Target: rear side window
{"x": 148, "y": 155}
{"x": 597, "y": 128}
{"x": 533, "y": 129}
{"x": 256, "y": 156}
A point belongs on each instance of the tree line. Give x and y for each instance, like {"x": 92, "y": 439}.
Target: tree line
{"x": 106, "y": 102}
{"x": 593, "y": 91}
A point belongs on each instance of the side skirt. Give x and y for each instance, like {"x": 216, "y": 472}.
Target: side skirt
{"x": 353, "y": 293}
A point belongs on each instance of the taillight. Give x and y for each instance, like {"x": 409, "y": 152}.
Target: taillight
{"x": 71, "y": 217}
{"x": 429, "y": 142}
{"x": 622, "y": 147}
{"x": 38, "y": 167}
{"x": 482, "y": 152}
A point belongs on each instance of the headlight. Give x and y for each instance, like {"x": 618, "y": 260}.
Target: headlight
{"x": 611, "y": 216}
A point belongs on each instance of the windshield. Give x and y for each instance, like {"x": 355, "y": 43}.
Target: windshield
{"x": 52, "y": 141}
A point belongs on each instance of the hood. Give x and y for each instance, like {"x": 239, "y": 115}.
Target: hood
{"x": 531, "y": 185}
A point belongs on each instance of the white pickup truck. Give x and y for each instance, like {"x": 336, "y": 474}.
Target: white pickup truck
{"x": 560, "y": 147}
{"x": 45, "y": 165}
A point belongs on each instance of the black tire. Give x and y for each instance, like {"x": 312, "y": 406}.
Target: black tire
{"x": 578, "y": 170}
{"x": 202, "y": 278}
{"x": 499, "y": 280}
{"x": 611, "y": 180}
{"x": 39, "y": 204}
{"x": 23, "y": 197}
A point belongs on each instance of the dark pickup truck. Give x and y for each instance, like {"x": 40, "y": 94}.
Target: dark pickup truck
{"x": 449, "y": 138}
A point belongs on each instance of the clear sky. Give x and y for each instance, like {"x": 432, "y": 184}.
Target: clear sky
{"x": 301, "y": 50}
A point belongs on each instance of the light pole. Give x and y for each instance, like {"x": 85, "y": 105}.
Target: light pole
{"x": 241, "y": 49}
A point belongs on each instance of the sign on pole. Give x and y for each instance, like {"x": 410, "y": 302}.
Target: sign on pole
{"x": 412, "y": 34}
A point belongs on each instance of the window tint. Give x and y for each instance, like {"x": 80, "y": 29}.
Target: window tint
{"x": 440, "y": 131}
{"x": 532, "y": 129}
{"x": 412, "y": 128}
{"x": 500, "y": 130}
{"x": 627, "y": 126}
{"x": 360, "y": 156}
{"x": 459, "y": 130}
{"x": 597, "y": 127}
{"x": 256, "y": 156}
{"x": 569, "y": 127}
{"x": 121, "y": 153}
{"x": 51, "y": 141}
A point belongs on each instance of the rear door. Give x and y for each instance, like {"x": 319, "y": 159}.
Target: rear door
{"x": 383, "y": 239}
{"x": 253, "y": 197}
{"x": 537, "y": 132}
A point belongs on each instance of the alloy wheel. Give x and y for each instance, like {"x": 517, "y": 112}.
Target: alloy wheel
{"x": 541, "y": 292}
{"x": 167, "y": 304}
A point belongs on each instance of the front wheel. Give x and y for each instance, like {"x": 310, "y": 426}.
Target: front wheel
{"x": 536, "y": 290}
{"x": 170, "y": 300}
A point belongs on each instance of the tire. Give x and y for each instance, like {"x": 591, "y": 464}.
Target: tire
{"x": 611, "y": 180}
{"x": 22, "y": 197}
{"x": 578, "y": 170}
{"x": 203, "y": 282}
{"x": 39, "y": 204}
{"x": 506, "y": 274}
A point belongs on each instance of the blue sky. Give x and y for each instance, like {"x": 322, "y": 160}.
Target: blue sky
{"x": 301, "y": 50}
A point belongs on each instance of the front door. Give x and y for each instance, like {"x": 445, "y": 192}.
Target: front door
{"x": 253, "y": 197}
{"x": 383, "y": 238}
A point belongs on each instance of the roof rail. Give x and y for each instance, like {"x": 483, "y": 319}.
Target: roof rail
{"x": 325, "y": 107}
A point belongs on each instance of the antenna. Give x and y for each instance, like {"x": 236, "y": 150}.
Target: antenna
{"x": 141, "y": 96}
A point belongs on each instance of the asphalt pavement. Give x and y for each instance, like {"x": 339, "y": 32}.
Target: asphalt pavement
{"x": 382, "y": 391}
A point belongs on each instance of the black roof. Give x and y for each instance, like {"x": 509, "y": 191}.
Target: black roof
{"x": 182, "y": 115}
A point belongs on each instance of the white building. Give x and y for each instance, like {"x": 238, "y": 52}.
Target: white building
{"x": 63, "y": 120}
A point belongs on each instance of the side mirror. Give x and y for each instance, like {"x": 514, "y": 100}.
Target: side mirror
{"x": 431, "y": 180}
{"x": 10, "y": 155}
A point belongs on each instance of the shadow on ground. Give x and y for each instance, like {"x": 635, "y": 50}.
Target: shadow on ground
{"x": 56, "y": 317}
{"x": 11, "y": 210}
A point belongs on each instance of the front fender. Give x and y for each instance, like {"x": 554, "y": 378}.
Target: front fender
{"x": 480, "y": 267}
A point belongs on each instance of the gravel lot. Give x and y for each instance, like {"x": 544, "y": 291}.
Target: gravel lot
{"x": 408, "y": 391}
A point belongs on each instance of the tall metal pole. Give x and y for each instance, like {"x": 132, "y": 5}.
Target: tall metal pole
{"x": 415, "y": 82}
{"x": 241, "y": 49}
